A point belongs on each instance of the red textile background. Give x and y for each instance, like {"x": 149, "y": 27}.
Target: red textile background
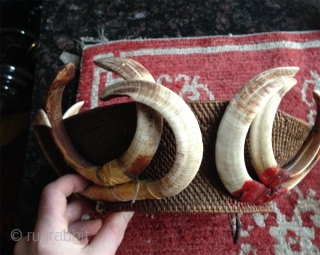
{"x": 215, "y": 68}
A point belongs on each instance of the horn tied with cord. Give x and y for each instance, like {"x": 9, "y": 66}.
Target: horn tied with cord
{"x": 123, "y": 177}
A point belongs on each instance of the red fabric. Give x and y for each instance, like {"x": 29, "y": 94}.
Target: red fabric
{"x": 215, "y": 68}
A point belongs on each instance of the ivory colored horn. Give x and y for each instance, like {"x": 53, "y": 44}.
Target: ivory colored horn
{"x": 261, "y": 150}
{"x": 189, "y": 147}
{"x": 148, "y": 132}
{"x": 73, "y": 110}
{"x": 264, "y": 162}
{"x": 233, "y": 129}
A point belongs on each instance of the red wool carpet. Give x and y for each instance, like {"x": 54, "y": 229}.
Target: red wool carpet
{"x": 215, "y": 68}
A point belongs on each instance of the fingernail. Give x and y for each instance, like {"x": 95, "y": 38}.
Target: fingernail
{"x": 128, "y": 215}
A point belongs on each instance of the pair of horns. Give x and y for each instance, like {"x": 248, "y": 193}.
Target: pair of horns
{"x": 255, "y": 105}
{"x": 115, "y": 180}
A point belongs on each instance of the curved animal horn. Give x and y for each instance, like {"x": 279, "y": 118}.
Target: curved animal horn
{"x": 189, "y": 147}
{"x": 42, "y": 128}
{"x": 310, "y": 151}
{"x": 127, "y": 68}
{"x": 149, "y": 127}
{"x": 58, "y": 131}
{"x": 261, "y": 150}
{"x": 144, "y": 143}
{"x": 41, "y": 119}
{"x": 233, "y": 129}
{"x": 73, "y": 110}
{"x": 299, "y": 176}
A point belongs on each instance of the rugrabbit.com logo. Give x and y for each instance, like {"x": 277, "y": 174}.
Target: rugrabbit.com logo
{"x": 63, "y": 236}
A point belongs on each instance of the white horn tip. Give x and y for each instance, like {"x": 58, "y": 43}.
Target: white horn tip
{"x": 289, "y": 70}
{"x": 41, "y": 119}
{"x": 316, "y": 96}
{"x": 101, "y": 61}
{"x": 73, "y": 110}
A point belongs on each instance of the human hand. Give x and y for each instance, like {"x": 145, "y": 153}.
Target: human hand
{"x": 58, "y": 229}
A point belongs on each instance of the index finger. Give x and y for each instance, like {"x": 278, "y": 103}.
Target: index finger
{"x": 109, "y": 237}
{"x": 53, "y": 203}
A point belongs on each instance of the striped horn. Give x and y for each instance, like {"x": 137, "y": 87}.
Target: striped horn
{"x": 189, "y": 147}
{"x": 264, "y": 162}
{"x": 116, "y": 171}
{"x": 149, "y": 127}
{"x": 233, "y": 129}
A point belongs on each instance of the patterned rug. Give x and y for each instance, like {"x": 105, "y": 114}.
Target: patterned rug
{"x": 215, "y": 68}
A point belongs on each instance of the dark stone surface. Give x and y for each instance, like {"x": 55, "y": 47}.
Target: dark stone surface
{"x": 64, "y": 22}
